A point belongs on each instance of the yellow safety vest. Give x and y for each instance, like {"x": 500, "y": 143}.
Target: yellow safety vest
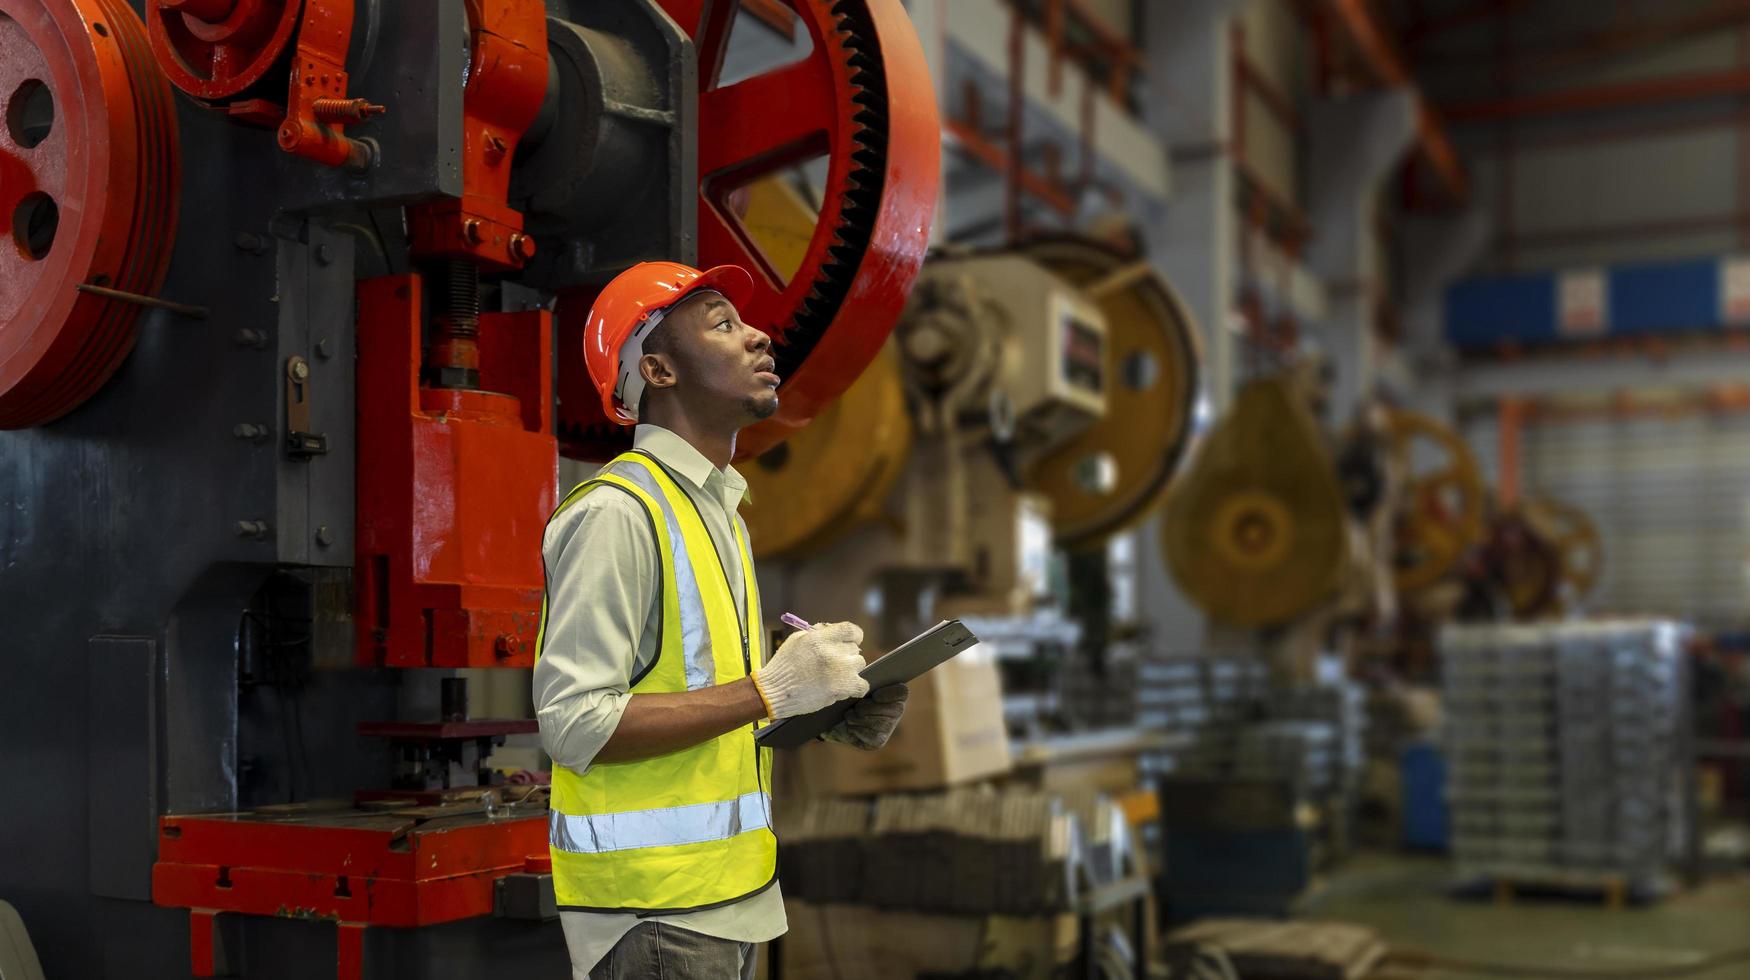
{"x": 691, "y": 829}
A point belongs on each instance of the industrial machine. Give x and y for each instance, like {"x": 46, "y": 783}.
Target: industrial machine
{"x": 1441, "y": 512}
{"x": 1032, "y": 398}
{"x": 1256, "y": 531}
{"x": 1293, "y": 539}
{"x": 1539, "y": 558}
{"x": 289, "y": 342}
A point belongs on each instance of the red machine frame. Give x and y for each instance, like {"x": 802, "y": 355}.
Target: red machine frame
{"x": 457, "y": 585}
{"x": 354, "y": 869}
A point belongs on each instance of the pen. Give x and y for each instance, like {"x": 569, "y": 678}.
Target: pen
{"x": 795, "y": 622}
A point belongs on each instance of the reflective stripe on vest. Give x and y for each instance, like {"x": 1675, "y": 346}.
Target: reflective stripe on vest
{"x": 701, "y": 672}
{"x": 699, "y": 822}
{"x": 689, "y": 829}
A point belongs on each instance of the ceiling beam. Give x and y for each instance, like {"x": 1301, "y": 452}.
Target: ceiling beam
{"x": 1595, "y": 98}
{"x": 1475, "y": 12}
{"x": 1380, "y": 53}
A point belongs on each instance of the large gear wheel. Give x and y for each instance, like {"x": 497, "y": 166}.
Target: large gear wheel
{"x": 1151, "y": 361}
{"x": 1441, "y": 514}
{"x": 89, "y": 187}
{"x": 1574, "y": 536}
{"x": 863, "y": 98}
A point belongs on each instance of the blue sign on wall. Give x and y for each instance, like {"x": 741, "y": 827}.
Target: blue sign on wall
{"x": 1535, "y": 308}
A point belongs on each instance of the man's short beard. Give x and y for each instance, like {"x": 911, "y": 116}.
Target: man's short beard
{"x": 761, "y": 407}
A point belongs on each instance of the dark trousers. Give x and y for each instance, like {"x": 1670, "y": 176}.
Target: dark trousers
{"x": 653, "y": 951}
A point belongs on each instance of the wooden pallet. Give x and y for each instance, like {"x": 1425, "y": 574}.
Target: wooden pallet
{"x": 1613, "y": 889}
{"x": 1293, "y": 950}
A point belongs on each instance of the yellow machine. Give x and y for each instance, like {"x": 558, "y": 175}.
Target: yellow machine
{"x": 1544, "y": 557}
{"x": 1029, "y": 397}
{"x": 1256, "y": 531}
{"x": 1279, "y": 532}
{"x": 1574, "y": 536}
{"x": 1441, "y": 513}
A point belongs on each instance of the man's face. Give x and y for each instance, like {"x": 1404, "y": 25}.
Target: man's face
{"x": 722, "y": 366}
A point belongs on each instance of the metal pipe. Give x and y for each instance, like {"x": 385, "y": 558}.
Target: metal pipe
{"x": 1372, "y": 39}
{"x": 193, "y": 312}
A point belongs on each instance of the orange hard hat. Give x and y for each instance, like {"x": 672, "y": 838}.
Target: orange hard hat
{"x": 631, "y": 306}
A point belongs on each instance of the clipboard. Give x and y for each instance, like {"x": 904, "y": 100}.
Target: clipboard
{"x": 916, "y": 656}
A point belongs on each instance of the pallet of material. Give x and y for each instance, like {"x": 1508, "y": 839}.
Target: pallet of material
{"x": 1263, "y": 949}
{"x": 1614, "y": 889}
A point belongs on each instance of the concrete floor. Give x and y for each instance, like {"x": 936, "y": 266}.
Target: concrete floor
{"x": 1407, "y": 900}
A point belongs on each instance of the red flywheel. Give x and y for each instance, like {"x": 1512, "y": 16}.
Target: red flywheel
{"x": 215, "y": 49}
{"x": 863, "y": 98}
{"x": 88, "y": 190}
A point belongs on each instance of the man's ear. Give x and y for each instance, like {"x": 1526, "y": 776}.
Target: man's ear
{"x": 657, "y": 370}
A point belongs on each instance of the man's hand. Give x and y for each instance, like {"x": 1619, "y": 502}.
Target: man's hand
{"x": 814, "y": 668}
{"x": 872, "y": 720}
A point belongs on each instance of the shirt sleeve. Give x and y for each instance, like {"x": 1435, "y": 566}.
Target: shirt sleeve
{"x": 602, "y": 570}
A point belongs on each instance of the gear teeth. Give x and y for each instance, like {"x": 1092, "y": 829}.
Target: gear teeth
{"x": 860, "y": 193}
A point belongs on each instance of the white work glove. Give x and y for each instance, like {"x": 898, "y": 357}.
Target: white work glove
{"x": 814, "y": 668}
{"x": 872, "y": 720}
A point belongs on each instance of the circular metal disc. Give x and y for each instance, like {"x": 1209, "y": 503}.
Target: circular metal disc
{"x": 1441, "y": 511}
{"x": 220, "y": 59}
{"x": 826, "y": 479}
{"x": 1115, "y": 472}
{"x": 1575, "y": 538}
{"x": 1255, "y": 530}
{"x": 89, "y": 191}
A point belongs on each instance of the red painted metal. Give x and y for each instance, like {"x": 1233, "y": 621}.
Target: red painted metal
{"x": 350, "y": 952}
{"x": 774, "y": 15}
{"x": 1277, "y": 101}
{"x": 220, "y": 50}
{"x": 217, "y": 50}
{"x": 317, "y": 108}
{"x": 1382, "y": 56}
{"x": 883, "y": 168}
{"x": 353, "y": 867}
{"x": 506, "y": 83}
{"x": 1616, "y": 95}
{"x": 1510, "y": 421}
{"x": 200, "y": 942}
{"x": 107, "y": 166}
{"x": 992, "y": 155}
{"x": 454, "y": 489}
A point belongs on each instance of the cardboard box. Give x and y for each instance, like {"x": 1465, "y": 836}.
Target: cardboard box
{"x": 851, "y": 942}
{"x": 952, "y": 733}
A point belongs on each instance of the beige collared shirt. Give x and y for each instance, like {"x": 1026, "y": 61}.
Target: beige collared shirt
{"x": 604, "y": 604}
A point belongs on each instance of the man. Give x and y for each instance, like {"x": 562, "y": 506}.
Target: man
{"x": 651, "y": 676}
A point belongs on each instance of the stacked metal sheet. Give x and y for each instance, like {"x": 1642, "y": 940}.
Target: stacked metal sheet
{"x": 1338, "y": 706}
{"x": 1304, "y": 754}
{"x": 1308, "y": 735}
{"x": 1565, "y": 746}
{"x": 1206, "y": 698}
{"x": 968, "y": 851}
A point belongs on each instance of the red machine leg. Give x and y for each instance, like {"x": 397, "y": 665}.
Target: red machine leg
{"x": 350, "y": 962}
{"x": 200, "y": 942}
